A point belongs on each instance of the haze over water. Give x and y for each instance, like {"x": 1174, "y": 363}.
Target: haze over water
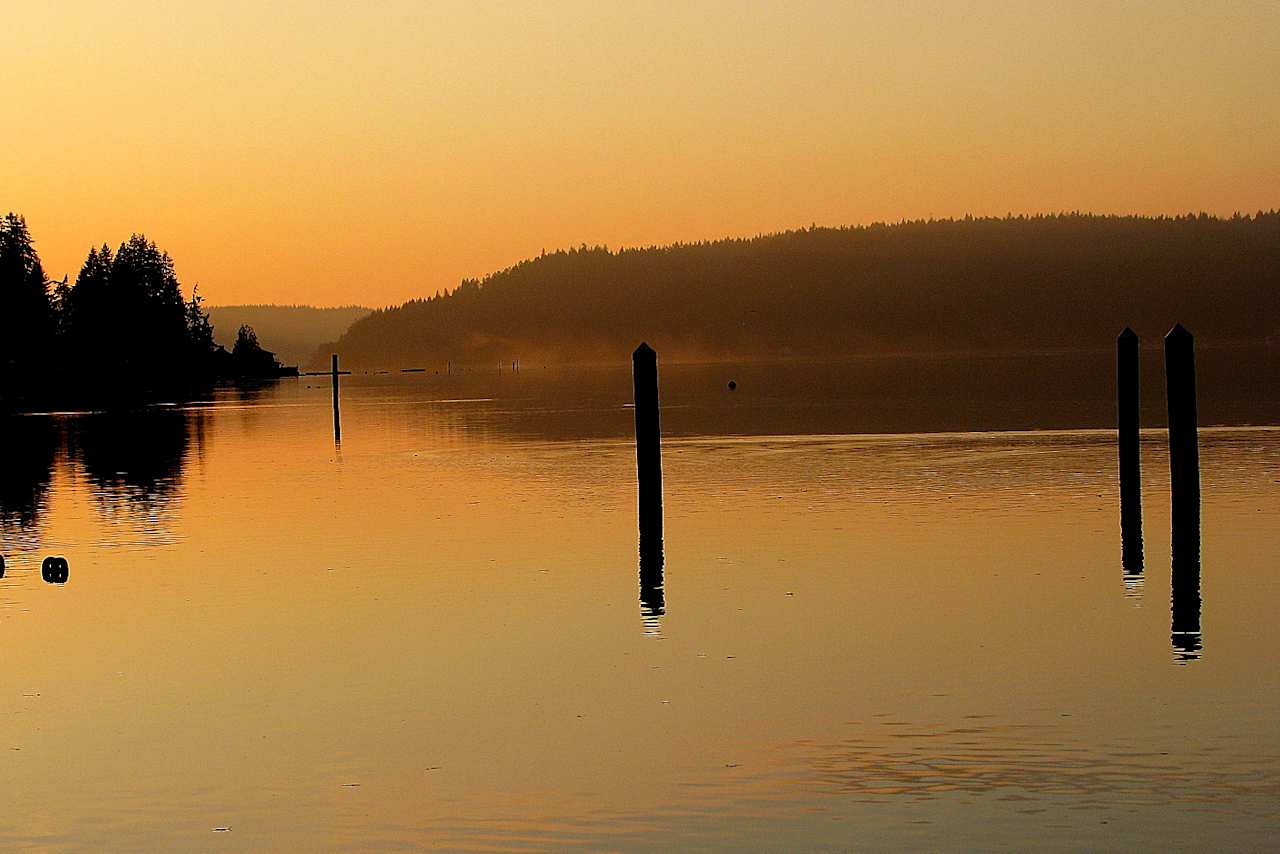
{"x": 862, "y": 585}
{"x": 878, "y": 629}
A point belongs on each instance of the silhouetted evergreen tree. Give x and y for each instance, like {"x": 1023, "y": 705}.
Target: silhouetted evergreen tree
{"x": 249, "y": 359}
{"x": 60, "y": 302}
{"x": 88, "y": 309}
{"x": 150, "y": 315}
{"x": 199, "y": 329}
{"x": 126, "y": 314}
{"x": 124, "y": 318}
{"x": 246, "y": 341}
{"x": 26, "y": 339}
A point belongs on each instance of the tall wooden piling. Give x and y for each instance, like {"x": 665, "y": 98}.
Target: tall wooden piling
{"x": 337, "y": 418}
{"x": 644, "y": 364}
{"x": 1130, "y": 468}
{"x": 1184, "y": 477}
{"x": 1184, "y": 452}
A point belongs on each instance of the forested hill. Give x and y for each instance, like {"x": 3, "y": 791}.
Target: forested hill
{"x": 1019, "y": 283}
{"x": 292, "y": 331}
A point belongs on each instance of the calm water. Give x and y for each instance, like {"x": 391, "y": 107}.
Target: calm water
{"x": 434, "y": 635}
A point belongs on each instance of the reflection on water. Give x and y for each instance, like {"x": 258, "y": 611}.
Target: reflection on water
{"x": 134, "y": 458}
{"x": 418, "y": 646}
{"x": 133, "y": 463}
{"x": 27, "y": 448}
{"x": 1134, "y": 584}
{"x": 1030, "y": 764}
{"x": 1131, "y": 539}
{"x": 653, "y": 597}
{"x": 910, "y": 394}
{"x": 1185, "y": 584}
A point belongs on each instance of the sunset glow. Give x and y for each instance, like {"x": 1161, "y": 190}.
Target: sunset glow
{"x": 372, "y": 153}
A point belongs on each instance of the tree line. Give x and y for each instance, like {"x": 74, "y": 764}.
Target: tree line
{"x": 1006, "y": 284}
{"x": 123, "y": 324}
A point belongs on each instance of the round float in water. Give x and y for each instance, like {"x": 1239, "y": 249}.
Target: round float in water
{"x": 55, "y": 570}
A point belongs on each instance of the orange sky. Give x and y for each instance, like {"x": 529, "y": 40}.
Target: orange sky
{"x": 333, "y": 153}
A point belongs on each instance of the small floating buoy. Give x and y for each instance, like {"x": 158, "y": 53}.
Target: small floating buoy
{"x": 55, "y": 570}
{"x": 732, "y": 385}
{"x": 1, "y": 566}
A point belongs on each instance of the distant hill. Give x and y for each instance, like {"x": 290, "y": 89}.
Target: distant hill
{"x": 292, "y": 331}
{"x": 1069, "y": 281}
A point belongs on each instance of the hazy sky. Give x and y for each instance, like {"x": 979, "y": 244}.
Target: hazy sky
{"x": 372, "y": 152}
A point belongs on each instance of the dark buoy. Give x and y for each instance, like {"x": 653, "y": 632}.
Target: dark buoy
{"x": 55, "y": 570}
{"x": 1, "y": 566}
{"x": 732, "y": 385}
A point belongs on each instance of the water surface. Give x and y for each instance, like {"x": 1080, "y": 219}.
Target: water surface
{"x": 891, "y": 625}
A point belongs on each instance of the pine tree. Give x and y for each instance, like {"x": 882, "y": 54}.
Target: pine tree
{"x": 26, "y": 343}
{"x": 153, "y": 317}
{"x": 199, "y": 329}
{"x": 89, "y": 311}
{"x": 246, "y": 342}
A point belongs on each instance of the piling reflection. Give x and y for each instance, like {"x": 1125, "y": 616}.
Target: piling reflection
{"x": 1131, "y": 546}
{"x": 1134, "y": 584}
{"x": 653, "y": 598}
{"x": 1185, "y": 583}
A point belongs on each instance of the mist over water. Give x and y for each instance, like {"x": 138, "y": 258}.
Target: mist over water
{"x": 893, "y": 612}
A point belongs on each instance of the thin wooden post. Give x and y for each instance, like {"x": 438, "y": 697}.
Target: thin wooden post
{"x": 644, "y": 363}
{"x": 337, "y": 419}
{"x": 1130, "y": 469}
{"x": 1184, "y": 477}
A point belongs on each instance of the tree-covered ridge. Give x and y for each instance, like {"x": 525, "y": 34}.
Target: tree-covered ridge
{"x": 293, "y": 331}
{"x": 122, "y": 325}
{"x": 1013, "y": 283}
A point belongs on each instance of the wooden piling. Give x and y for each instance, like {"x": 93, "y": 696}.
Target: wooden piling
{"x": 1184, "y": 453}
{"x": 337, "y": 419}
{"x": 644, "y": 363}
{"x": 1184, "y": 476}
{"x": 1130, "y": 468}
